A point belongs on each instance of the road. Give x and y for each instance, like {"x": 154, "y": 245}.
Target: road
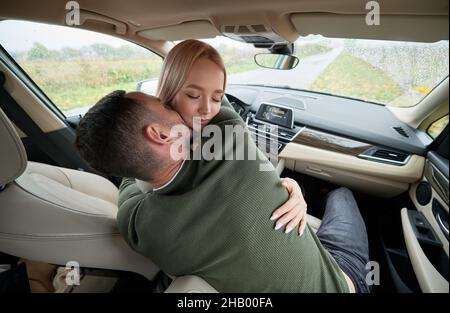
{"x": 301, "y": 77}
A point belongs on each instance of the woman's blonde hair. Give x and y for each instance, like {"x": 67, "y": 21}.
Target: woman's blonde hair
{"x": 178, "y": 64}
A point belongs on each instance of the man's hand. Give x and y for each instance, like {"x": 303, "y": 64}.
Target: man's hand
{"x": 293, "y": 211}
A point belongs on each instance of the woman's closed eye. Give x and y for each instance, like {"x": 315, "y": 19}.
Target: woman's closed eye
{"x": 218, "y": 97}
{"x": 192, "y": 96}
{"x": 198, "y": 97}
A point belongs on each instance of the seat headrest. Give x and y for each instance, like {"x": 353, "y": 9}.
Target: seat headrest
{"x": 13, "y": 158}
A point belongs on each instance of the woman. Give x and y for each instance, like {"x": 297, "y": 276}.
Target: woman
{"x": 192, "y": 82}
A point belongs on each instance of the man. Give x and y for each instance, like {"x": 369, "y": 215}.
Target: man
{"x": 211, "y": 218}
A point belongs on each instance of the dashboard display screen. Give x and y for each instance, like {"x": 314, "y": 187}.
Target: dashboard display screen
{"x": 276, "y": 115}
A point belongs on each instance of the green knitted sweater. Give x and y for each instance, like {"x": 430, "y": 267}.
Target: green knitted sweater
{"x": 213, "y": 220}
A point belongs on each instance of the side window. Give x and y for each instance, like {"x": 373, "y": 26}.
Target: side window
{"x": 76, "y": 67}
{"x": 437, "y": 127}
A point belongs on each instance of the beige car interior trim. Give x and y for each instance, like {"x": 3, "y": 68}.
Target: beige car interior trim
{"x": 74, "y": 190}
{"x": 201, "y": 29}
{"x": 38, "y": 111}
{"x": 281, "y": 24}
{"x": 190, "y": 284}
{"x": 428, "y": 277}
{"x": 392, "y": 27}
{"x": 110, "y": 252}
{"x": 427, "y": 210}
{"x": 56, "y": 215}
{"x": 437, "y": 180}
{"x": 14, "y": 162}
{"x": 371, "y": 177}
{"x": 255, "y": 22}
{"x": 56, "y": 233}
{"x": 160, "y": 47}
{"x": 415, "y": 115}
{"x": 19, "y": 131}
{"x": 119, "y": 27}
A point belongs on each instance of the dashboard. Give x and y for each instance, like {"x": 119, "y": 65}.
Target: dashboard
{"x": 346, "y": 141}
{"x": 341, "y": 118}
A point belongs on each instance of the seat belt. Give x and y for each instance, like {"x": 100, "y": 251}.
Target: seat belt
{"x": 22, "y": 120}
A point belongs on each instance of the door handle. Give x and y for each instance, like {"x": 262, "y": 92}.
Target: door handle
{"x": 441, "y": 216}
{"x": 442, "y": 225}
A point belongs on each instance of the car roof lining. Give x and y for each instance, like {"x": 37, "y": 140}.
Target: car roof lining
{"x": 144, "y": 17}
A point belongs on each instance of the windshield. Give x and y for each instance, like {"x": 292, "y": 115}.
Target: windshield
{"x": 385, "y": 72}
{"x": 75, "y": 67}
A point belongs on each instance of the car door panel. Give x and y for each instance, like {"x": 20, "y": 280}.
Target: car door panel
{"x": 429, "y": 278}
{"x": 430, "y": 197}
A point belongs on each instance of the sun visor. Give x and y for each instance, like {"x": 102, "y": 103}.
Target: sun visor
{"x": 420, "y": 28}
{"x": 186, "y": 30}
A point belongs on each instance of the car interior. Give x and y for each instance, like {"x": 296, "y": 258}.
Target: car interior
{"x": 57, "y": 215}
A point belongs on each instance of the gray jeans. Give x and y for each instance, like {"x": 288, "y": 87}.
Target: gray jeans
{"x": 343, "y": 233}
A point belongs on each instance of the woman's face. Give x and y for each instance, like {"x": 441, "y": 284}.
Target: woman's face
{"x": 201, "y": 94}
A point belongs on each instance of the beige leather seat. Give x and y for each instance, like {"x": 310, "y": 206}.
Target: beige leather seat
{"x": 56, "y": 215}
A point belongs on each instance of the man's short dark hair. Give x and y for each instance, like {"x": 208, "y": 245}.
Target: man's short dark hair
{"x": 110, "y": 137}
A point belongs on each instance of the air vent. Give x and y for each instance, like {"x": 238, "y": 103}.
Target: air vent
{"x": 401, "y": 131}
{"x": 389, "y": 155}
{"x": 385, "y": 156}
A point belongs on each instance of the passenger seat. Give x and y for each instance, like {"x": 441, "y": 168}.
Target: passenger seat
{"x": 56, "y": 215}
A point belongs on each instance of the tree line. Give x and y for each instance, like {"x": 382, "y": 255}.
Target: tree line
{"x": 97, "y": 50}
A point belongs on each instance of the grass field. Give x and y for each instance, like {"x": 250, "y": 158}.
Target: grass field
{"x": 73, "y": 84}
{"x": 81, "y": 96}
{"x": 237, "y": 68}
{"x": 353, "y": 77}
{"x": 307, "y": 50}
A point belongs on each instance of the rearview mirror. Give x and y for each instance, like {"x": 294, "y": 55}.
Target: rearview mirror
{"x": 276, "y": 61}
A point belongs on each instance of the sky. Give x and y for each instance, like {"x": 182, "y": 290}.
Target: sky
{"x": 20, "y": 36}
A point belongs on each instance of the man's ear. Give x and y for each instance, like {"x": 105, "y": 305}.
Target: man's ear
{"x": 158, "y": 134}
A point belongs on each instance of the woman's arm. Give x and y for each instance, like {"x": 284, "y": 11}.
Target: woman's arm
{"x": 293, "y": 211}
